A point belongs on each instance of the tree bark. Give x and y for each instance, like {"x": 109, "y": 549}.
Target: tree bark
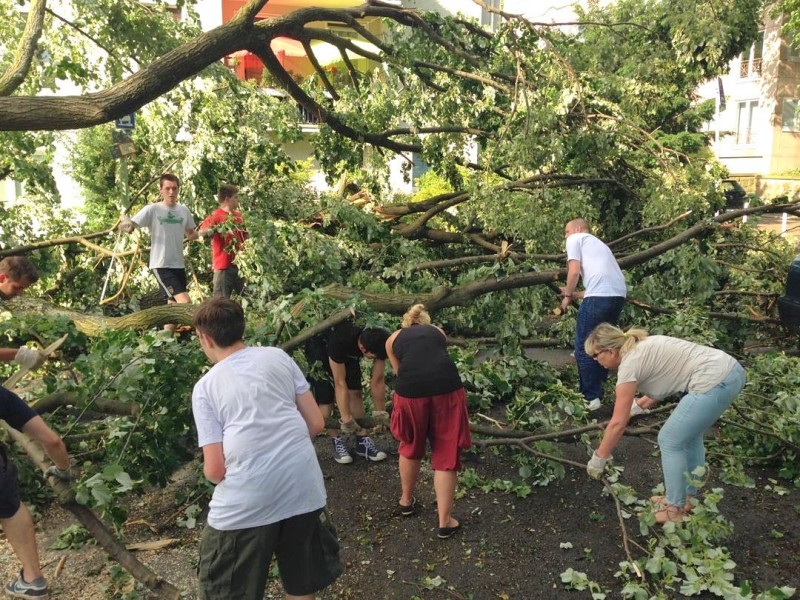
{"x": 23, "y": 57}
{"x": 98, "y": 529}
{"x": 93, "y": 325}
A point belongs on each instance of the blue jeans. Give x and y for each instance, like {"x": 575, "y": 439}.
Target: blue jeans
{"x": 681, "y": 437}
{"x": 593, "y": 311}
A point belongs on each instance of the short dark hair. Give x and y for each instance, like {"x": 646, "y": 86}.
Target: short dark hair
{"x": 221, "y": 319}
{"x": 20, "y": 269}
{"x": 374, "y": 341}
{"x": 168, "y": 177}
{"x": 226, "y": 190}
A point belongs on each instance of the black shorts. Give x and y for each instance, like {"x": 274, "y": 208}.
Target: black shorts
{"x": 322, "y": 383}
{"x": 9, "y": 487}
{"x": 227, "y": 281}
{"x": 171, "y": 282}
{"x": 235, "y": 564}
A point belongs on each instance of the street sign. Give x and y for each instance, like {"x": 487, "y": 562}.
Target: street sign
{"x": 123, "y": 149}
{"x": 128, "y": 122}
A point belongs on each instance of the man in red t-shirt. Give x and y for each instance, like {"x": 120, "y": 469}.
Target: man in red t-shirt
{"x": 226, "y": 228}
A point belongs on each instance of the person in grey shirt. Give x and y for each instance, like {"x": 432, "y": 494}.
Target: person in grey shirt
{"x": 168, "y": 223}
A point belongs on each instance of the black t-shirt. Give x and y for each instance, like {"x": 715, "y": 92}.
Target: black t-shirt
{"x": 14, "y": 410}
{"x": 426, "y": 368}
{"x": 343, "y": 342}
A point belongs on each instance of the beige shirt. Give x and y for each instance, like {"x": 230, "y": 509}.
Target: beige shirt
{"x": 662, "y": 365}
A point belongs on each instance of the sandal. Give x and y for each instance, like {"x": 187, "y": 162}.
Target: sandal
{"x": 661, "y": 502}
{"x": 670, "y": 513}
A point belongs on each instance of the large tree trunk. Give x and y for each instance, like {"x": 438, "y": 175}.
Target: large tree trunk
{"x": 93, "y": 325}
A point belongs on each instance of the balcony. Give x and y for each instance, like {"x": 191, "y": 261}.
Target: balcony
{"x": 750, "y": 68}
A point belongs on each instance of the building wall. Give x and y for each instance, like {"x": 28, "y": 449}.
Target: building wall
{"x": 786, "y": 139}
{"x": 751, "y": 133}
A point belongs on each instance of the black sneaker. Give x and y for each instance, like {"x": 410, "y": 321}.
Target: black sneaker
{"x": 409, "y": 510}
{"x": 367, "y": 448}
{"x": 22, "y": 589}
{"x": 340, "y": 453}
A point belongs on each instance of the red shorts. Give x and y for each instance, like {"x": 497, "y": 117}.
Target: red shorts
{"x": 442, "y": 419}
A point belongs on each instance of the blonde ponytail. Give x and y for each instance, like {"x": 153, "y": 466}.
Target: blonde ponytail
{"x": 416, "y": 315}
{"x": 607, "y": 337}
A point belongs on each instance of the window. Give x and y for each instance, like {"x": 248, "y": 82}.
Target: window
{"x": 750, "y": 65}
{"x": 418, "y": 168}
{"x": 744, "y": 121}
{"x": 792, "y": 49}
{"x": 490, "y": 19}
{"x": 790, "y": 119}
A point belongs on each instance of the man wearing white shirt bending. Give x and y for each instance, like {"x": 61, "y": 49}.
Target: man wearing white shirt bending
{"x": 590, "y": 260}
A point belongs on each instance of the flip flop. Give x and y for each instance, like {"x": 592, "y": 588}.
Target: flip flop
{"x": 447, "y": 532}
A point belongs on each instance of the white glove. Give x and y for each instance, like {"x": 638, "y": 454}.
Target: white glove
{"x": 63, "y": 475}
{"x": 29, "y": 358}
{"x": 596, "y": 466}
{"x": 637, "y": 410}
{"x": 126, "y": 225}
{"x": 350, "y": 427}
{"x": 381, "y": 417}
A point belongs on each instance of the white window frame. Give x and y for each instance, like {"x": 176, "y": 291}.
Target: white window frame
{"x": 745, "y": 136}
{"x": 786, "y": 106}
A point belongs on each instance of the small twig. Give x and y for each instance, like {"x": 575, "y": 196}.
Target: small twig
{"x": 490, "y": 419}
{"x": 607, "y": 485}
{"x": 60, "y": 566}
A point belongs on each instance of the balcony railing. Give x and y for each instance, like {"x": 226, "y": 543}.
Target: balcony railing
{"x": 750, "y": 68}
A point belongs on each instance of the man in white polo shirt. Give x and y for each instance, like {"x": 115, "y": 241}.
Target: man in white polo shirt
{"x": 591, "y": 261}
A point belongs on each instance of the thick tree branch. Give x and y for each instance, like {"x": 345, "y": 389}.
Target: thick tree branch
{"x": 23, "y": 56}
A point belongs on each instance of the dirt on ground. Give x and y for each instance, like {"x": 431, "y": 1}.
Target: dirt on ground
{"x": 508, "y": 547}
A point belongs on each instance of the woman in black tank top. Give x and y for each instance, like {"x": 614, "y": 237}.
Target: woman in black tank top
{"x": 429, "y": 406}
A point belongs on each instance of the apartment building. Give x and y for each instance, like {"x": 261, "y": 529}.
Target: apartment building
{"x": 757, "y": 126}
{"x": 404, "y": 170}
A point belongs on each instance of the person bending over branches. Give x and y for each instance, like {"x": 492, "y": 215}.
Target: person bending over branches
{"x": 17, "y": 273}
{"x": 339, "y": 353}
{"x": 659, "y": 366}
{"x": 430, "y": 404}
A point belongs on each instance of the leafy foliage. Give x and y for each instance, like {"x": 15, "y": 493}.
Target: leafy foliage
{"x": 548, "y": 125}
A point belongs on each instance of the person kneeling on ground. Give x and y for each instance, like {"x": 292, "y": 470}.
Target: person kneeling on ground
{"x": 256, "y": 419}
{"x": 430, "y": 404}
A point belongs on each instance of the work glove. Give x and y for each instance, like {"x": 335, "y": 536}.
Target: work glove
{"x": 126, "y": 225}
{"x": 350, "y": 427}
{"x": 596, "y": 466}
{"x": 381, "y": 419}
{"x": 63, "y": 475}
{"x": 637, "y": 410}
{"x": 29, "y": 358}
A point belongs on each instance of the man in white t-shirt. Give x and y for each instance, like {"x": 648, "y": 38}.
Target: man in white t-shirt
{"x": 256, "y": 419}
{"x": 591, "y": 261}
{"x": 168, "y": 223}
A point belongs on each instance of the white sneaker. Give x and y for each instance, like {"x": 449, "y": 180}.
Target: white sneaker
{"x": 592, "y": 405}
